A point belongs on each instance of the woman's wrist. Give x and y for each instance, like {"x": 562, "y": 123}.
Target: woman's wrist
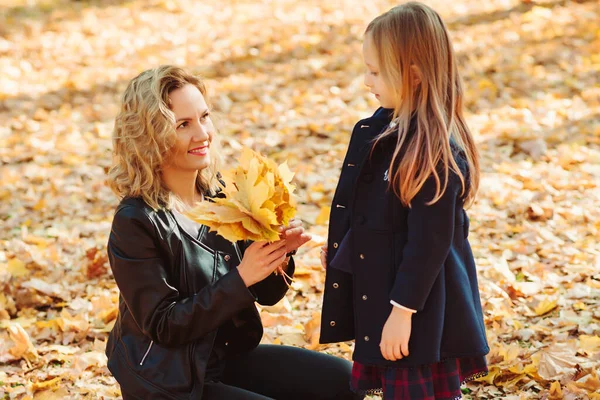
{"x": 242, "y": 272}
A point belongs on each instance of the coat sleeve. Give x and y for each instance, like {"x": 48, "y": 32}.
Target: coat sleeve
{"x": 140, "y": 271}
{"x": 430, "y": 235}
{"x": 273, "y": 288}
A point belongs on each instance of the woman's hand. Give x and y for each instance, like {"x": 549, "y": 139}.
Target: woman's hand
{"x": 260, "y": 260}
{"x": 396, "y": 334}
{"x": 294, "y": 235}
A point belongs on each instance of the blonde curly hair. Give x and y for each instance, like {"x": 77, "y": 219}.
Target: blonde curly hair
{"x": 144, "y": 134}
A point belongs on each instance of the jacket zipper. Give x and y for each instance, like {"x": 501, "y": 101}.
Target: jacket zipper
{"x": 147, "y": 351}
{"x": 237, "y": 250}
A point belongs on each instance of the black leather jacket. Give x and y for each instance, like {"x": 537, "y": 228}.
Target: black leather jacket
{"x": 176, "y": 291}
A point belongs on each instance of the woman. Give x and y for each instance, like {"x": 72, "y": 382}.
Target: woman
{"x": 187, "y": 326}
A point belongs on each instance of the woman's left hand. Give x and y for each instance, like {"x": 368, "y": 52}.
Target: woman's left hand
{"x": 396, "y": 334}
{"x": 294, "y": 235}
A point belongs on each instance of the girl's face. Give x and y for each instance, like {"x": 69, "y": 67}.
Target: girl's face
{"x": 194, "y": 130}
{"x": 373, "y": 79}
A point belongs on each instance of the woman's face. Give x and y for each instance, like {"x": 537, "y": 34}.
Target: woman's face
{"x": 194, "y": 129}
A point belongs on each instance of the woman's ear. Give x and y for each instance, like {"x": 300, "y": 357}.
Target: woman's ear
{"x": 416, "y": 74}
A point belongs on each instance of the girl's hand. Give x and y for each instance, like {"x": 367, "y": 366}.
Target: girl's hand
{"x": 294, "y": 235}
{"x": 396, "y": 334}
{"x": 324, "y": 256}
{"x": 260, "y": 260}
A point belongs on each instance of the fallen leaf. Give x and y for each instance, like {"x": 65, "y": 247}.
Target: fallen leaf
{"x": 50, "y": 289}
{"x": 545, "y": 306}
{"x": 97, "y": 263}
{"x": 589, "y": 383}
{"x": 323, "y": 216}
{"x": 23, "y": 348}
{"x": 536, "y": 148}
{"x": 59, "y": 394}
{"x": 556, "y": 361}
{"x": 556, "y": 391}
{"x": 589, "y": 344}
{"x": 312, "y": 331}
{"x": 269, "y": 319}
{"x": 17, "y": 268}
{"x": 51, "y": 384}
{"x": 87, "y": 360}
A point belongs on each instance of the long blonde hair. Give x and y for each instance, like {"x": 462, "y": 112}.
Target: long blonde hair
{"x": 413, "y": 34}
{"x": 144, "y": 134}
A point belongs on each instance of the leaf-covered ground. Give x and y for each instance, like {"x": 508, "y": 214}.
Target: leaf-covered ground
{"x": 286, "y": 79}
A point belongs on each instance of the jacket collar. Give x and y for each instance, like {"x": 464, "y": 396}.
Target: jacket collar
{"x": 383, "y": 114}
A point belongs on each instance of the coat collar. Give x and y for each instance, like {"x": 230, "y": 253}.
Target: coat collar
{"x": 383, "y": 114}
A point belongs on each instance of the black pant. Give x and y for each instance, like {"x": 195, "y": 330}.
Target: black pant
{"x": 282, "y": 373}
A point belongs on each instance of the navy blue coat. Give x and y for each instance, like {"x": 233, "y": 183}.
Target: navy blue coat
{"x": 419, "y": 257}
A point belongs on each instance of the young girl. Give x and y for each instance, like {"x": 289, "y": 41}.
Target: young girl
{"x": 401, "y": 278}
{"x": 187, "y": 325}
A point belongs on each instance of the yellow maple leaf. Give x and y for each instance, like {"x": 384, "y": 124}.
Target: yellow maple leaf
{"x": 591, "y": 383}
{"x": 529, "y": 369}
{"x": 545, "y": 306}
{"x": 493, "y": 372}
{"x": 286, "y": 175}
{"x": 589, "y": 343}
{"x": 17, "y": 267}
{"x": 257, "y": 199}
{"x": 556, "y": 390}
{"x": 49, "y": 384}
{"x": 234, "y": 230}
{"x": 53, "y": 393}
{"x": 311, "y": 331}
{"x": 323, "y": 216}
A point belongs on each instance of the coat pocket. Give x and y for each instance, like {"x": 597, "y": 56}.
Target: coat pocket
{"x": 169, "y": 368}
{"x": 134, "y": 384}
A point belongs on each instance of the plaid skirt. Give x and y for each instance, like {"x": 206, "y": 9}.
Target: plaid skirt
{"x": 440, "y": 381}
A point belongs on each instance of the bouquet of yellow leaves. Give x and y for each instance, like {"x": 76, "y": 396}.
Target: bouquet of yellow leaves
{"x": 258, "y": 200}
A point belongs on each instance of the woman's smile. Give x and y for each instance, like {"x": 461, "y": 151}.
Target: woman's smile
{"x": 199, "y": 151}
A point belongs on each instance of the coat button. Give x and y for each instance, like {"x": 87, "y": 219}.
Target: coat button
{"x": 362, "y": 256}
{"x": 366, "y": 338}
{"x": 335, "y": 245}
{"x": 227, "y": 257}
{"x": 332, "y": 323}
{"x": 360, "y": 219}
{"x": 335, "y": 285}
{"x": 368, "y": 178}
{"x": 364, "y": 297}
